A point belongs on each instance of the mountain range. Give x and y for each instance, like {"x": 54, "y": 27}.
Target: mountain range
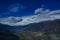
{"x": 41, "y": 26}
{"x": 46, "y": 30}
{"x": 53, "y": 25}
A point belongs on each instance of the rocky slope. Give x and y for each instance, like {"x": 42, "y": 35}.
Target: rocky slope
{"x": 45, "y": 26}
{"x": 47, "y": 30}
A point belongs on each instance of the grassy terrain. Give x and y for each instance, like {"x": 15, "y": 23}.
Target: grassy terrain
{"x": 29, "y": 35}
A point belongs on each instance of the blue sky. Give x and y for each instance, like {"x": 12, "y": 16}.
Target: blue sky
{"x": 24, "y": 12}
{"x": 28, "y": 8}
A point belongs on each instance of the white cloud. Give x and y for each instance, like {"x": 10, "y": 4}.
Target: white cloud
{"x": 54, "y": 12}
{"x": 15, "y": 7}
{"x": 46, "y": 12}
{"x": 42, "y": 15}
{"x": 41, "y": 11}
{"x": 10, "y": 20}
{"x": 19, "y": 21}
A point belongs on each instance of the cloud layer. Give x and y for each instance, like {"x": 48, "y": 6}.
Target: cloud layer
{"x": 16, "y": 7}
{"x": 41, "y": 14}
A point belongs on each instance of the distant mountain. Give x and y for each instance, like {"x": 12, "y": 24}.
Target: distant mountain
{"x": 11, "y": 28}
{"x": 47, "y": 30}
{"x": 5, "y": 27}
{"x": 45, "y": 26}
{"x": 53, "y": 25}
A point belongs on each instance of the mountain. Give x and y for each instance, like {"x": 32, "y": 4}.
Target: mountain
{"x": 6, "y": 34}
{"x": 12, "y": 28}
{"x": 46, "y": 30}
{"x": 45, "y": 26}
{"x": 5, "y": 27}
{"x": 53, "y": 25}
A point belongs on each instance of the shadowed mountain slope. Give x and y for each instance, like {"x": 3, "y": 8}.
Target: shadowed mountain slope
{"x": 46, "y": 26}
{"x": 6, "y": 34}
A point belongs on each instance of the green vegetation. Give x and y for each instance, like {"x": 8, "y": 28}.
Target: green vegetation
{"x": 29, "y": 35}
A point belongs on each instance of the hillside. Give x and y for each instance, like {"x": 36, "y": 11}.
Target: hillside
{"x": 47, "y": 30}
{"x": 45, "y": 26}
